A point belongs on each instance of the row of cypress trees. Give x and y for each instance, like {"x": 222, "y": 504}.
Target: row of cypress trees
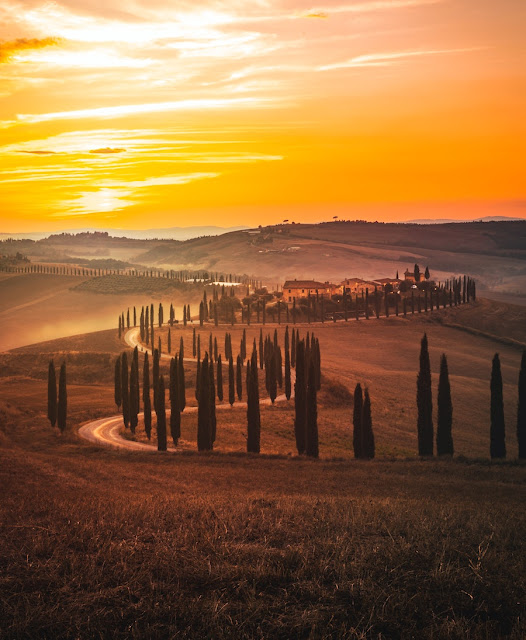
{"x": 57, "y": 403}
{"x": 444, "y": 438}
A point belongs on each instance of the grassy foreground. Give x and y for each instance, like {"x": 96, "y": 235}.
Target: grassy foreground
{"x": 97, "y": 544}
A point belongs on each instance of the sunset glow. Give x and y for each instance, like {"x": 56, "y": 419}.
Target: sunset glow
{"x": 146, "y": 114}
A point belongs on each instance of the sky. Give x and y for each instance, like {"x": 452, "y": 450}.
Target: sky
{"x": 154, "y": 113}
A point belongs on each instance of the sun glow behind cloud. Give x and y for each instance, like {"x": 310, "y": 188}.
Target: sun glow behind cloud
{"x": 110, "y": 109}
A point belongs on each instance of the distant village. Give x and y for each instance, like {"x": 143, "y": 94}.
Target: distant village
{"x": 298, "y": 289}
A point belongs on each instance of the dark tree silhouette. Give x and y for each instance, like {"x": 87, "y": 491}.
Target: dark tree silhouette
{"x": 311, "y": 440}
{"x": 424, "y": 401}
{"x": 181, "y": 382}
{"x": 52, "y": 394}
{"x": 253, "y": 411}
{"x": 117, "y": 383}
{"x": 300, "y": 399}
{"x": 426, "y": 273}
{"x": 445, "y": 411}
{"x": 417, "y": 273}
{"x": 147, "y": 403}
{"x": 497, "y": 430}
{"x": 175, "y": 411}
{"x": 231, "y": 382}
{"x": 521, "y": 409}
{"x": 212, "y": 391}
{"x": 131, "y": 398}
{"x": 368, "y": 446}
{"x": 239, "y": 379}
{"x": 288, "y": 386}
{"x": 62, "y": 407}
{"x": 203, "y": 411}
{"x": 161, "y": 416}
{"x": 219, "y": 379}
{"x": 125, "y": 391}
{"x": 357, "y": 436}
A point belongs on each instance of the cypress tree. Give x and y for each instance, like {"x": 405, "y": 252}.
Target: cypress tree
{"x": 253, "y": 411}
{"x": 273, "y": 383}
{"x": 155, "y": 377}
{"x": 261, "y": 358}
{"x": 203, "y": 409}
{"x": 445, "y": 411}
{"x": 293, "y": 349}
{"x": 120, "y": 328}
{"x": 52, "y": 394}
{"x": 300, "y": 400}
{"x": 497, "y": 431}
{"x": 231, "y": 382}
{"x": 212, "y": 391}
{"x": 357, "y": 436}
{"x": 239, "y": 381}
{"x": 199, "y": 347}
{"x": 146, "y": 397}
{"x": 311, "y": 440}
{"x": 368, "y": 448}
{"x": 175, "y": 411}
{"x": 161, "y": 416}
{"x": 424, "y": 402}
{"x": 194, "y": 344}
{"x": 219, "y": 379}
{"x": 62, "y": 407}
{"x": 125, "y": 390}
{"x": 288, "y": 387}
{"x": 181, "y": 348}
{"x": 128, "y": 319}
{"x": 181, "y": 383}
{"x": 169, "y": 341}
{"x": 141, "y": 325}
{"x": 159, "y": 346}
{"x": 521, "y": 409}
{"x": 131, "y": 398}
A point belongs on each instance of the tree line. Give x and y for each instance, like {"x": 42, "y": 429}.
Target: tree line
{"x": 444, "y": 437}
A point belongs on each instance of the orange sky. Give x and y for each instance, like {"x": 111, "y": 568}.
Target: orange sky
{"x": 151, "y": 113}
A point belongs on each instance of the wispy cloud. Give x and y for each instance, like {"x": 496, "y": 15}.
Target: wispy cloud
{"x": 119, "y": 111}
{"x": 386, "y": 59}
{"x": 13, "y": 47}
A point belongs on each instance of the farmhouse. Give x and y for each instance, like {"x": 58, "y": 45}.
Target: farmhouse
{"x": 303, "y": 288}
{"x": 410, "y": 276}
{"x": 394, "y": 282}
{"x": 355, "y": 285}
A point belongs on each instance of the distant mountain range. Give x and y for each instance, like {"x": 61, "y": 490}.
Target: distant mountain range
{"x": 171, "y": 233}
{"x": 449, "y": 220}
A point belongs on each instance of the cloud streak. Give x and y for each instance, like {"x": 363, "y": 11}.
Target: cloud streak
{"x": 11, "y": 48}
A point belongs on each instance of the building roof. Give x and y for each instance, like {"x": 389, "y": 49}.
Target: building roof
{"x": 387, "y": 280}
{"x": 305, "y": 284}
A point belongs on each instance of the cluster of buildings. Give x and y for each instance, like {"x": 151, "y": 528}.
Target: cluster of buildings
{"x": 296, "y": 289}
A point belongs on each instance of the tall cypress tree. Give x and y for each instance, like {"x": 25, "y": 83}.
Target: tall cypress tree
{"x": 445, "y": 411}
{"x": 155, "y": 377}
{"x": 272, "y": 381}
{"x": 212, "y": 391}
{"x": 239, "y": 380}
{"x": 368, "y": 447}
{"x": 231, "y": 382}
{"x": 181, "y": 383}
{"x": 131, "y": 398}
{"x": 117, "y": 383}
{"x": 62, "y": 407}
{"x": 161, "y": 416}
{"x": 497, "y": 430}
{"x": 125, "y": 390}
{"x": 261, "y": 356}
{"x": 300, "y": 399}
{"x": 203, "y": 409}
{"x": 194, "y": 344}
{"x": 146, "y": 397}
{"x": 169, "y": 341}
{"x": 181, "y": 348}
{"x": 521, "y": 409}
{"x": 288, "y": 387}
{"x": 311, "y": 440}
{"x": 175, "y": 412}
{"x": 253, "y": 411}
{"x": 424, "y": 402}
{"x": 357, "y": 435}
{"x": 219, "y": 379}
{"x": 52, "y": 394}
{"x": 293, "y": 349}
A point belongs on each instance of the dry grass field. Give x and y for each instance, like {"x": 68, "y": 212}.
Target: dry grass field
{"x": 98, "y": 543}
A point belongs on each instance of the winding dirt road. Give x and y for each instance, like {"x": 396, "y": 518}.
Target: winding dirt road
{"x": 107, "y": 431}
